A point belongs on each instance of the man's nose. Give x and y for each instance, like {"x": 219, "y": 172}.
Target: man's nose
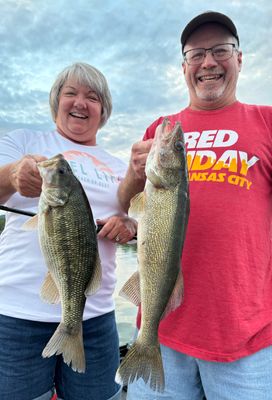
{"x": 209, "y": 60}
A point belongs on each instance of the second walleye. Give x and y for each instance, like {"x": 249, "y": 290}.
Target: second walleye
{"x": 162, "y": 211}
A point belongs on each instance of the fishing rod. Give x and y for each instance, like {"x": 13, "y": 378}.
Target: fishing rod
{"x": 122, "y": 349}
{"x": 31, "y": 214}
{"x": 17, "y": 211}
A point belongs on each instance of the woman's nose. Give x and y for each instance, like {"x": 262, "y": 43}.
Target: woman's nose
{"x": 80, "y": 102}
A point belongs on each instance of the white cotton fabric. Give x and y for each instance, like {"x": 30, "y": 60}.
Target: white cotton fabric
{"x": 22, "y": 266}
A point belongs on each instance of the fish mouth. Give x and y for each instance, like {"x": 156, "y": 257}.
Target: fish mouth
{"x": 47, "y": 176}
{"x": 210, "y": 78}
{"x": 78, "y": 115}
{"x": 51, "y": 162}
{"x": 47, "y": 167}
{"x": 164, "y": 158}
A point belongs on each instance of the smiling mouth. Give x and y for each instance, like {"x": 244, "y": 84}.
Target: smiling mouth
{"x": 78, "y": 115}
{"x": 210, "y": 78}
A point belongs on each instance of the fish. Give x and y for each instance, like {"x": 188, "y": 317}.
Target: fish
{"x": 162, "y": 211}
{"x": 67, "y": 236}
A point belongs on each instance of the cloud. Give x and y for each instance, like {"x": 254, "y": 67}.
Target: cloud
{"x": 135, "y": 44}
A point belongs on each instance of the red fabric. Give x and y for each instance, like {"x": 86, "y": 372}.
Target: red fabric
{"x": 226, "y": 261}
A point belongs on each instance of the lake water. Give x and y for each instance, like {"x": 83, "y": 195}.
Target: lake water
{"x": 126, "y": 260}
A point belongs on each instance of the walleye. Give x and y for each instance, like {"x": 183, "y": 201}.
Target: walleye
{"x": 162, "y": 211}
{"x": 67, "y": 236}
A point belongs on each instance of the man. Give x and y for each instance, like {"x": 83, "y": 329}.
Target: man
{"x": 217, "y": 344}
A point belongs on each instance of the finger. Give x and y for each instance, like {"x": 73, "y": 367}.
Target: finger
{"x": 33, "y": 168}
{"x": 29, "y": 188}
{"x": 109, "y": 230}
{"x": 148, "y": 144}
{"x": 115, "y": 233}
{"x": 142, "y": 147}
{"x": 38, "y": 157}
{"x": 141, "y": 159}
{"x": 116, "y": 228}
{"x": 26, "y": 177}
{"x": 126, "y": 232}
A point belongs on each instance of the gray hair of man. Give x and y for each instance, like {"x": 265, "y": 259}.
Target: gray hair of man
{"x": 86, "y": 75}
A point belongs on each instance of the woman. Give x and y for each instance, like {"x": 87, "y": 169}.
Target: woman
{"x": 80, "y": 103}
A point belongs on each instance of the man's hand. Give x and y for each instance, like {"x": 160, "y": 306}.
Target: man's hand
{"x": 139, "y": 153}
{"x": 134, "y": 180}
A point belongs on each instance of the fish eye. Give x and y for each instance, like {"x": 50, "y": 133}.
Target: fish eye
{"x": 61, "y": 171}
{"x": 178, "y": 145}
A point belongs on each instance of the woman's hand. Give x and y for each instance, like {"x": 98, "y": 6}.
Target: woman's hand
{"x": 117, "y": 229}
{"x": 25, "y": 176}
{"x": 21, "y": 176}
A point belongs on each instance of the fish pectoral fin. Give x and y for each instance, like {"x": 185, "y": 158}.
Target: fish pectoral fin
{"x": 176, "y": 297}
{"x": 156, "y": 180}
{"x": 131, "y": 289}
{"x": 137, "y": 205}
{"x": 96, "y": 279}
{"x": 31, "y": 224}
{"x": 49, "y": 291}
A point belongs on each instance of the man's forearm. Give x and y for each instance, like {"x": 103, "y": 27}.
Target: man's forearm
{"x": 6, "y": 187}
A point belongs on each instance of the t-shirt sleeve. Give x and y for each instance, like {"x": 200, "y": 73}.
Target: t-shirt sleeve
{"x": 12, "y": 147}
{"x": 150, "y": 131}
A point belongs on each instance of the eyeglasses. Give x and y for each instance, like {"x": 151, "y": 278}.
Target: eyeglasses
{"x": 220, "y": 52}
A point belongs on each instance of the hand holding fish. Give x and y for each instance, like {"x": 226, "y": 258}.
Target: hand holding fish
{"x": 118, "y": 229}
{"x": 139, "y": 153}
{"x": 25, "y": 176}
{"x": 134, "y": 180}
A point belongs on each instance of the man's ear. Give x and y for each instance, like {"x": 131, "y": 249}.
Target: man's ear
{"x": 240, "y": 60}
{"x": 183, "y": 66}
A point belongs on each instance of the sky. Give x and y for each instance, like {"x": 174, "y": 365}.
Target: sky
{"x": 134, "y": 43}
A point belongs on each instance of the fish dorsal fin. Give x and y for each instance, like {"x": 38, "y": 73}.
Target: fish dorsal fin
{"x": 95, "y": 281}
{"x": 137, "y": 205}
{"x": 31, "y": 224}
{"x": 49, "y": 291}
{"x": 131, "y": 289}
{"x": 176, "y": 297}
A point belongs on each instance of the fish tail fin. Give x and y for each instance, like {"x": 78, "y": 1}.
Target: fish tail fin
{"x": 142, "y": 362}
{"x": 69, "y": 345}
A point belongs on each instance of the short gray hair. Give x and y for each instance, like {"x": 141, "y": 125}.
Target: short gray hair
{"x": 86, "y": 75}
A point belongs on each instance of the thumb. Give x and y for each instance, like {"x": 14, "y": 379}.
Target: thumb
{"x": 38, "y": 158}
{"x": 101, "y": 221}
